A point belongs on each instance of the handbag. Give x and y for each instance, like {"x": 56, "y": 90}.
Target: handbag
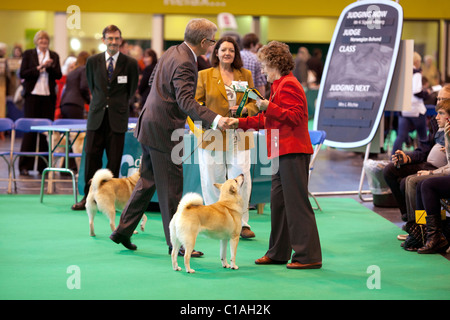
{"x": 417, "y": 236}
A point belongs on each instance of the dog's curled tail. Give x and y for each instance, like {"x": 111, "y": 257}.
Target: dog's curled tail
{"x": 100, "y": 177}
{"x": 190, "y": 199}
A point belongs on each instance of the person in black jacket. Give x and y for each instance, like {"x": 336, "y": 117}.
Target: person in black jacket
{"x": 74, "y": 97}
{"x": 39, "y": 71}
{"x": 407, "y": 163}
{"x": 76, "y": 91}
{"x": 150, "y": 60}
{"x": 113, "y": 79}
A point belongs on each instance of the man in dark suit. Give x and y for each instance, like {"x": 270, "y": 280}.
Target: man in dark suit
{"x": 171, "y": 100}
{"x": 112, "y": 78}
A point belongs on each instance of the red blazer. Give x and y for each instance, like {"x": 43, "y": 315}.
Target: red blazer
{"x": 287, "y": 112}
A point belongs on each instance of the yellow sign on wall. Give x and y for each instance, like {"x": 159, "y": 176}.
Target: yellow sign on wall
{"x": 328, "y": 8}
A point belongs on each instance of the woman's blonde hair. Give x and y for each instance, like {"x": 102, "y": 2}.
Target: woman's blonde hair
{"x": 417, "y": 60}
{"x": 41, "y": 34}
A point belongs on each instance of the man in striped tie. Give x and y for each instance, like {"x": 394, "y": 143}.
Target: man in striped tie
{"x": 112, "y": 79}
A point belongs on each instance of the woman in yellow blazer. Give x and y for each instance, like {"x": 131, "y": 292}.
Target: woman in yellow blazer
{"x": 225, "y": 155}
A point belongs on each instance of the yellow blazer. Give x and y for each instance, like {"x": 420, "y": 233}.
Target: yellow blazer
{"x": 211, "y": 91}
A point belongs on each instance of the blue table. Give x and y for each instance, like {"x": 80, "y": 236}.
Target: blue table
{"x": 65, "y": 129}
{"x": 260, "y": 170}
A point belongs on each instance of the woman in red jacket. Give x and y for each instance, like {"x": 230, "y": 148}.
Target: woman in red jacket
{"x": 285, "y": 118}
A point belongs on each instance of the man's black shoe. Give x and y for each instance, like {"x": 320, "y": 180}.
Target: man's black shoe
{"x": 125, "y": 241}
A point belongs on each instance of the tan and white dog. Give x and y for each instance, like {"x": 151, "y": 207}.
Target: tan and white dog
{"x": 108, "y": 194}
{"x": 221, "y": 220}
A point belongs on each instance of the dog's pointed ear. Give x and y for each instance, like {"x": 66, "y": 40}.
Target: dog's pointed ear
{"x": 218, "y": 185}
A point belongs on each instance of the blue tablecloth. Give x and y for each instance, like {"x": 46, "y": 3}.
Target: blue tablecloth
{"x": 260, "y": 170}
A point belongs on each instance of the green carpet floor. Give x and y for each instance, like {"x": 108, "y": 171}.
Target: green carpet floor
{"x": 39, "y": 244}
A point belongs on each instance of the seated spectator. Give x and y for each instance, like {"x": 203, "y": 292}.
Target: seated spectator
{"x": 429, "y": 195}
{"x": 428, "y": 198}
{"x": 425, "y": 157}
{"x": 443, "y": 113}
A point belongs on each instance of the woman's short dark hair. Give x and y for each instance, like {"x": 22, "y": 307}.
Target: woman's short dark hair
{"x": 277, "y": 55}
{"x": 249, "y": 39}
{"x": 82, "y": 58}
{"x": 237, "y": 62}
{"x": 151, "y": 53}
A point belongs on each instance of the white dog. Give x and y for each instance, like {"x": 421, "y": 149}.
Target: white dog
{"x": 221, "y": 220}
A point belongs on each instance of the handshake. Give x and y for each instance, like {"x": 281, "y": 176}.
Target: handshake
{"x": 233, "y": 123}
{"x": 227, "y": 123}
